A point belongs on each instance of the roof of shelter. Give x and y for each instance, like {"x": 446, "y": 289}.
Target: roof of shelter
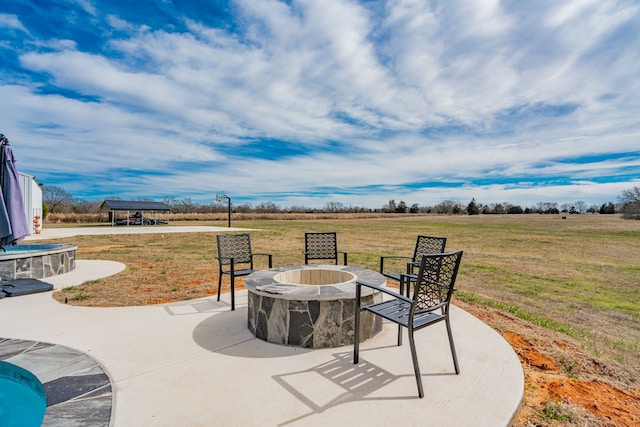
{"x": 133, "y": 205}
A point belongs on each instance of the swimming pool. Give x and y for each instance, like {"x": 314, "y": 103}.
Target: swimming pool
{"x": 22, "y": 398}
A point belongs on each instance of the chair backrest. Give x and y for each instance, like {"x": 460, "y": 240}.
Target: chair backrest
{"x": 436, "y": 279}
{"x": 428, "y": 245}
{"x": 236, "y": 246}
{"x": 320, "y": 246}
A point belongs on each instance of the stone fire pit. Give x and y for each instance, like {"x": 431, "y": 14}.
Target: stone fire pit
{"x": 310, "y": 306}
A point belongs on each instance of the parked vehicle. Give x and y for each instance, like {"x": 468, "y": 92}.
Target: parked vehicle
{"x": 139, "y": 219}
{"x": 129, "y": 221}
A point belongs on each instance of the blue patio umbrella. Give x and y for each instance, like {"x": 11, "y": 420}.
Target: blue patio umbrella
{"x": 13, "y": 219}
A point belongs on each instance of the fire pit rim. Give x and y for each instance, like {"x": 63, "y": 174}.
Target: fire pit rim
{"x": 262, "y": 283}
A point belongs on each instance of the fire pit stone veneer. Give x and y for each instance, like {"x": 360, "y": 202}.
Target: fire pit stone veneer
{"x": 310, "y": 306}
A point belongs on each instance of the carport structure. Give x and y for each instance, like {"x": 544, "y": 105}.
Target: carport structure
{"x": 137, "y": 212}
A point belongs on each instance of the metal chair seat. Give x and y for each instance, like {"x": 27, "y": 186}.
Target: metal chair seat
{"x": 399, "y": 312}
{"x": 244, "y": 272}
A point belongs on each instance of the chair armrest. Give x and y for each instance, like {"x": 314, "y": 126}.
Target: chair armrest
{"x": 395, "y": 256}
{"x": 384, "y": 290}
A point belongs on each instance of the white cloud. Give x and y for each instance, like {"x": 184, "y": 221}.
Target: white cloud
{"x": 11, "y": 21}
{"x": 383, "y": 95}
{"x": 87, "y": 6}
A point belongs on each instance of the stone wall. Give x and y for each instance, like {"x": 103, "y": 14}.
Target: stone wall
{"x": 38, "y": 266}
{"x": 310, "y": 324}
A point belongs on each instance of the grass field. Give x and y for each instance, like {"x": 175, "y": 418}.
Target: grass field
{"x": 578, "y": 277}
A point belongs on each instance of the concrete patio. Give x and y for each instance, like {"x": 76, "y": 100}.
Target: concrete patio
{"x": 195, "y": 363}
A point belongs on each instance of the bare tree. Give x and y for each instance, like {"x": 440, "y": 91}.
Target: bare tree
{"x": 85, "y": 207}
{"x": 243, "y": 208}
{"x": 548, "y": 207}
{"x": 497, "y": 208}
{"x": 267, "y": 207}
{"x": 298, "y": 209}
{"x": 333, "y": 207}
{"x": 57, "y": 199}
{"x": 444, "y": 207}
{"x": 186, "y": 205}
{"x": 630, "y": 200}
{"x": 390, "y": 207}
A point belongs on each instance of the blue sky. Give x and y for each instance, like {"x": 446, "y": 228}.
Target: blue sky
{"x": 301, "y": 103}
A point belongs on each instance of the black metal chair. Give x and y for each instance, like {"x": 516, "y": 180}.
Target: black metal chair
{"x": 424, "y": 245}
{"x": 430, "y": 304}
{"x": 235, "y": 250}
{"x": 322, "y": 246}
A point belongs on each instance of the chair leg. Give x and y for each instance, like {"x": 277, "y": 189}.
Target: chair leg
{"x": 402, "y": 283}
{"x": 219, "y": 284}
{"x": 356, "y": 325}
{"x": 416, "y": 367}
{"x": 233, "y": 293}
{"x": 453, "y": 348}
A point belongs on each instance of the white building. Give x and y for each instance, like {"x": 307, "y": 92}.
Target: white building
{"x": 32, "y": 196}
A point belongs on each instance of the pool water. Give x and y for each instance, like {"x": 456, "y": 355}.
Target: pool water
{"x": 22, "y": 398}
{"x": 30, "y": 247}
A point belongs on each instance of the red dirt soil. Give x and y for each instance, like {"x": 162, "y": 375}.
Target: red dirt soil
{"x": 602, "y": 400}
{"x": 546, "y": 383}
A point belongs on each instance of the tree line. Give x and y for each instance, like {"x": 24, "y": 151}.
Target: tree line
{"x": 57, "y": 200}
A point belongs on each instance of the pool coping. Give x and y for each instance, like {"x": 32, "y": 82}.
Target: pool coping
{"x": 53, "y": 248}
{"x": 78, "y": 390}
